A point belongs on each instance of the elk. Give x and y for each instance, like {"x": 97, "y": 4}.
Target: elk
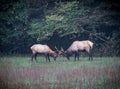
{"x": 78, "y": 46}
{"x": 42, "y": 49}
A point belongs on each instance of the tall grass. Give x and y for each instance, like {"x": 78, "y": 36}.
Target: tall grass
{"x": 21, "y": 73}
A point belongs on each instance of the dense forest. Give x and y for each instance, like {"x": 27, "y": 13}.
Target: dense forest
{"x": 59, "y": 23}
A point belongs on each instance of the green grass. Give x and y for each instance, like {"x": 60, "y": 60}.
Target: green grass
{"x": 20, "y": 73}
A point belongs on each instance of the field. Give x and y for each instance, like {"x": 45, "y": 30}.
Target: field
{"x": 18, "y": 72}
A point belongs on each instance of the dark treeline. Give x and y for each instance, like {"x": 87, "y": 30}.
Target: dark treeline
{"x": 59, "y": 23}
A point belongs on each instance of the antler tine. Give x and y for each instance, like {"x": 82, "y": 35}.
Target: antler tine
{"x": 62, "y": 49}
{"x": 56, "y": 48}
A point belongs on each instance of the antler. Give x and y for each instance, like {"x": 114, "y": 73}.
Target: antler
{"x": 56, "y": 48}
{"x": 62, "y": 49}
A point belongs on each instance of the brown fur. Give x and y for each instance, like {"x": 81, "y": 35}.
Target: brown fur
{"x": 43, "y": 49}
{"x": 78, "y": 46}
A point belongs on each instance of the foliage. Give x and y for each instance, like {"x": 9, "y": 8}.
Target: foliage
{"x": 24, "y": 23}
{"x": 14, "y": 22}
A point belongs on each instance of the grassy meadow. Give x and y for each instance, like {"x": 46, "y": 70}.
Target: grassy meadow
{"x": 18, "y": 72}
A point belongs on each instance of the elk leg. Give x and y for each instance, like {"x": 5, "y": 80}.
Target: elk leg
{"x": 54, "y": 58}
{"x": 78, "y": 56}
{"x": 91, "y": 55}
{"x": 68, "y": 57}
{"x": 36, "y": 57}
{"x": 88, "y": 55}
{"x": 33, "y": 55}
{"x": 48, "y": 57}
{"x": 75, "y": 56}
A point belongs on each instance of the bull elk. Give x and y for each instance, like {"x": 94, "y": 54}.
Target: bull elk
{"x": 42, "y": 49}
{"x": 78, "y": 46}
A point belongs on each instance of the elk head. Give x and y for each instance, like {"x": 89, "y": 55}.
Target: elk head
{"x": 60, "y": 52}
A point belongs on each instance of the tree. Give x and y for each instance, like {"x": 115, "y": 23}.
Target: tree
{"x": 14, "y": 26}
{"x": 24, "y": 23}
{"x": 78, "y": 20}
